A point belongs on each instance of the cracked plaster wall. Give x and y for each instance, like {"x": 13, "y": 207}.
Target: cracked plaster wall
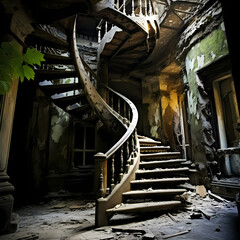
{"x": 161, "y": 109}
{"x": 211, "y": 47}
{"x": 59, "y": 140}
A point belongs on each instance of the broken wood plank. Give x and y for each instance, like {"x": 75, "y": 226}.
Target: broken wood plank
{"x": 171, "y": 216}
{"x": 176, "y": 234}
{"x": 129, "y": 230}
{"x": 216, "y": 197}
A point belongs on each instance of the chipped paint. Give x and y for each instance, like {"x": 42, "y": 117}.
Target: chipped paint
{"x": 59, "y": 122}
{"x": 212, "y": 47}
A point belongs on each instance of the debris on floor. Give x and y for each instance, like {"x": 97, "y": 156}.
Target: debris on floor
{"x": 206, "y": 216}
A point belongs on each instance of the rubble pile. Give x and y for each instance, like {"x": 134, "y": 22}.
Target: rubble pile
{"x": 206, "y": 216}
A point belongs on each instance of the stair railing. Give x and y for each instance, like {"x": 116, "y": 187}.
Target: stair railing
{"x": 115, "y": 169}
{"x": 142, "y": 8}
{"x": 117, "y": 160}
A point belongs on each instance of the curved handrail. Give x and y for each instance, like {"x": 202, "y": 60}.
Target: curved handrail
{"x": 111, "y": 119}
{"x": 131, "y": 126}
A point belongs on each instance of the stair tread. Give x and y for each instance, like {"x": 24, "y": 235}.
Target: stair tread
{"x": 77, "y": 108}
{"x": 154, "y": 191}
{"x": 59, "y": 88}
{"x": 159, "y": 170}
{"x": 154, "y": 147}
{"x": 57, "y": 59}
{"x": 159, "y": 154}
{"x": 54, "y": 74}
{"x": 148, "y": 141}
{"x": 160, "y": 180}
{"x": 146, "y": 206}
{"x": 162, "y": 162}
{"x": 40, "y": 33}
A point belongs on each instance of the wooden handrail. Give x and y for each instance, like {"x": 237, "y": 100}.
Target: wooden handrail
{"x": 131, "y": 127}
{"x": 111, "y": 119}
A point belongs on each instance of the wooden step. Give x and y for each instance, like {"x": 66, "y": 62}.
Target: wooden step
{"x": 57, "y": 59}
{"x": 154, "y": 149}
{"x": 153, "y": 193}
{"x": 59, "y": 88}
{"x": 144, "y": 207}
{"x": 54, "y": 74}
{"x": 161, "y": 163}
{"x": 159, "y": 173}
{"x": 161, "y": 155}
{"x": 44, "y": 38}
{"x": 78, "y": 111}
{"x": 148, "y": 142}
{"x": 157, "y": 183}
{"x": 65, "y": 101}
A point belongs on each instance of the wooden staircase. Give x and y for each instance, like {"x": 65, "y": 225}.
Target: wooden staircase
{"x": 57, "y": 77}
{"x": 156, "y": 184}
{"x": 137, "y": 174}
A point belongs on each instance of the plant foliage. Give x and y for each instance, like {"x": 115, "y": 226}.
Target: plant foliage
{"x": 17, "y": 65}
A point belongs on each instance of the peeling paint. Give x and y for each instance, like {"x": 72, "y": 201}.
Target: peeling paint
{"x": 200, "y": 60}
{"x": 57, "y": 132}
{"x": 59, "y": 123}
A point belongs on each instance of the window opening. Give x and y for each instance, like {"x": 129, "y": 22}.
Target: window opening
{"x": 83, "y": 146}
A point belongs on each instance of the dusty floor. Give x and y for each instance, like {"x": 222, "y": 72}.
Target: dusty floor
{"x": 73, "y": 219}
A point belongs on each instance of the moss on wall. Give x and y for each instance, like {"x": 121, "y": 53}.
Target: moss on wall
{"x": 209, "y": 49}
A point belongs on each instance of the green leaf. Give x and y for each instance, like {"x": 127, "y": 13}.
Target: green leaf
{"x": 28, "y": 72}
{"x": 32, "y": 56}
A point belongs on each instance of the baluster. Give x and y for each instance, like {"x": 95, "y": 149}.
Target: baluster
{"x": 124, "y": 6}
{"x": 133, "y": 148}
{"x": 129, "y": 115}
{"x": 133, "y": 8}
{"x": 113, "y": 172}
{"x": 119, "y": 106}
{"x": 106, "y": 27}
{"x": 121, "y": 161}
{"x": 101, "y": 190}
{"x": 145, "y": 5}
{"x": 127, "y": 156}
{"x": 111, "y": 101}
{"x": 117, "y": 5}
{"x": 140, "y": 7}
{"x": 150, "y": 8}
{"x": 99, "y": 34}
{"x": 124, "y": 110}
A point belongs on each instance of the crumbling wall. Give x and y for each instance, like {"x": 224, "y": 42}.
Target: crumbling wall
{"x": 58, "y": 141}
{"x": 202, "y": 43}
{"x": 161, "y": 106}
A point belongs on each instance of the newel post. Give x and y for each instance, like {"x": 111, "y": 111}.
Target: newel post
{"x": 100, "y": 181}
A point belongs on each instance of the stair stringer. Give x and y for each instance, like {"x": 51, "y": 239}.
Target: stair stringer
{"x": 114, "y": 122}
{"x": 115, "y": 198}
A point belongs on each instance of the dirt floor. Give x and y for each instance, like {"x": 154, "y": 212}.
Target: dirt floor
{"x": 72, "y": 219}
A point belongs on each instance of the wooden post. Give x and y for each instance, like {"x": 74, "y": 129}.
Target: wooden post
{"x": 100, "y": 174}
{"x": 113, "y": 173}
{"x": 133, "y": 8}
{"x": 124, "y": 6}
{"x": 121, "y": 169}
{"x": 140, "y": 7}
{"x": 145, "y": 5}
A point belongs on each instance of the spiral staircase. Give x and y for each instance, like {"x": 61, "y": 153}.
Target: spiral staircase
{"x": 136, "y": 174}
